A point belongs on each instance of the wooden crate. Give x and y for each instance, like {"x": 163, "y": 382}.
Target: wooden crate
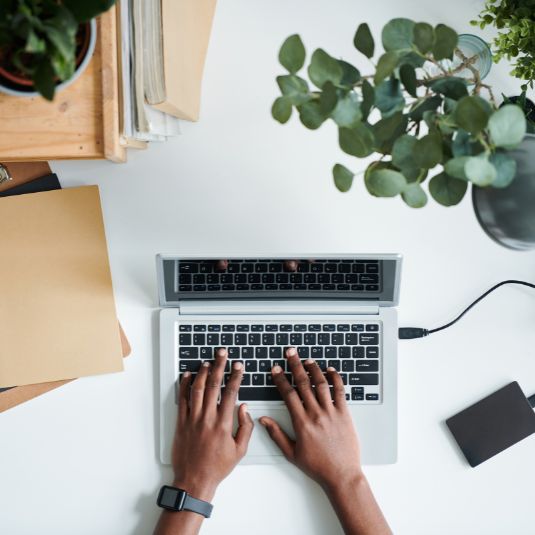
{"x": 83, "y": 121}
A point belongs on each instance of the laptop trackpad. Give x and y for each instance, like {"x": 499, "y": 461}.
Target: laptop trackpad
{"x": 261, "y": 444}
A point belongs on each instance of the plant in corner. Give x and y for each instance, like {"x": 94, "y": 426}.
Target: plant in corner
{"x": 516, "y": 19}
{"x": 42, "y": 42}
{"x": 412, "y": 110}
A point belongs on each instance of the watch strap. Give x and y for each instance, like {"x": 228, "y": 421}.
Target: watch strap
{"x": 197, "y": 506}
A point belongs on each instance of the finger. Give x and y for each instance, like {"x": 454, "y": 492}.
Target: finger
{"x": 197, "y": 390}
{"x": 301, "y": 379}
{"x": 339, "y": 391}
{"x": 291, "y": 265}
{"x": 245, "y": 429}
{"x": 229, "y": 394}
{"x": 288, "y": 394}
{"x": 283, "y": 441}
{"x": 321, "y": 386}
{"x": 213, "y": 382}
{"x": 221, "y": 265}
{"x": 183, "y": 397}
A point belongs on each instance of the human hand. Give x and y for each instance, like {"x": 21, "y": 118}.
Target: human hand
{"x": 326, "y": 446}
{"x": 204, "y": 449}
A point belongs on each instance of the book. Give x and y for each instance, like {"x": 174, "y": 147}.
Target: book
{"x": 185, "y": 27}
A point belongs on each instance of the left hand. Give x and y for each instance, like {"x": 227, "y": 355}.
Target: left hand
{"x": 204, "y": 448}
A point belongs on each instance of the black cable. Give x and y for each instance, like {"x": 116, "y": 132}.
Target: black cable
{"x": 406, "y": 333}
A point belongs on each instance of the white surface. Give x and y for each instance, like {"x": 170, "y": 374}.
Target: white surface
{"x": 83, "y": 459}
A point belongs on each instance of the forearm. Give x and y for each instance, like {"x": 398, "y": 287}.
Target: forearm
{"x": 185, "y": 522}
{"x": 356, "y": 508}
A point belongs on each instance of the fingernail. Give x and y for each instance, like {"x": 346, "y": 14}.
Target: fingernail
{"x": 263, "y": 422}
{"x": 309, "y": 361}
{"x": 330, "y": 369}
{"x": 221, "y": 352}
{"x": 291, "y": 352}
{"x": 187, "y": 374}
{"x": 276, "y": 369}
{"x": 245, "y": 408}
{"x": 237, "y": 365}
{"x": 206, "y": 364}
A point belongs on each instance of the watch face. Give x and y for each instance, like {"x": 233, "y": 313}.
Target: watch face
{"x": 169, "y": 497}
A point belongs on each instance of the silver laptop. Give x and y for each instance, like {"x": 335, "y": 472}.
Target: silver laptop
{"x": 338, "y": 310}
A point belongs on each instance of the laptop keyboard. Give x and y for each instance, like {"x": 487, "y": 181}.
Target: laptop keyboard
{"x": 353, "y": 349}
{"x": 259, "y": 275}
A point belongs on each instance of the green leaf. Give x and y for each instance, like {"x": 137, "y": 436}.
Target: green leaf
{"x": 388, "y": 97}
{"x": 351, "y": 75}
{"x": 480, "y": 171}
{"x": 445, "y": 42}
{"x": 87, "y": 10}
{"x": 34, "y": 44}
{"x": 423, "y": 36}
{"x": 407, "y": 75}
{"x": 281, "y": 109}
{"x": 397, "y": 34}
{"x": 343, "y": 177}
{"x": 43, "y": 79}
{"x": 328, "y": 98}
{"x": 368, "y": 98}
{"x": 447, "y": 190}
{"x": 464, "y": 145}
{"x": 347, "y": 112}
{"x": 310, "y": 115}
{"x": 455, "y": 167}
{"x": 471, "y": 114}
{"x": 385, "y": 66}
{"x": 505, "y": 169}
{"x": 324, "y": 68}
{"x": 402, "y": 151}
{"x": 357, "y": 141}
{"x": 292, "y": 54}
{"x": 385, "y": 182}
{"x": 293, "y": 87}
{"x": 414, "y": 196}
{"x": 387, "y": 130}
{"x": 363, "y": 40}
{"x": 451, "y": 87}
{"x": 429, "y": 104}
{"x": 507, "y": 126}
{"x": 427, "y": 151}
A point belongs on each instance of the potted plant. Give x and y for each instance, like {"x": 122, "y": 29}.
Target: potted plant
{"x": 46, "y": 44}
{"x": 412, "y": 111}
{"x": 516, "y": 19}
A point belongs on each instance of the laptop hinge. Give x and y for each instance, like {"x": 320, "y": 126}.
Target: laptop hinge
{"x": 293, "y": 307}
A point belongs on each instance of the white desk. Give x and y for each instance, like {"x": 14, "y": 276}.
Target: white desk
{"x": 82, "y": 459}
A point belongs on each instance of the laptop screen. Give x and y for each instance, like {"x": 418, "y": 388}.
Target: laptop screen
{"x": 362, "y": 278}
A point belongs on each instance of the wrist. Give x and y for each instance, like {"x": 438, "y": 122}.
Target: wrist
{"x": 202, "y": 490}
{"x": 350, "y": 482}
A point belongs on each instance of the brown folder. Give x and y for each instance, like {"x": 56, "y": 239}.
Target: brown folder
{"x": 24, "y": 172}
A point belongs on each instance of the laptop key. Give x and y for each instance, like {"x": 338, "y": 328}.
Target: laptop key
{"x": 344, "y": 352}
{"x": 254, "y": 339}
{"x": 227, "y": 339}
{"x": 185, "y": 328}
{"x": 257, "y": 328}
{"x": 352, "y": 339}
{"x": 357, "y": 327}
{"x": 268, "y": 339}
{"x": 251, "y": 365}
{"x": 188, "y": 353}
{"x": 303, "y": 352}
{"x": 242, "y": 328}
{"x": 246, "y": 379}
{"x": 229, "y": 328}
{"x": 267, "y": 393}
{"x": 363, "y": 379}
{"x": 275, "y": 352}
{"x": 184, "y": 339}
{"x": 337, "y": 339}
{"x": 189, "y": 365}
{"x": 330, "y": 327}
{"x": 348, "y": 366}
{"x": 371, "y": 339}
{"x": 310, "y": 339}
{"x": 212, "y": 339}
{"x": 272, "y": 328}
{"x": 199, "y": 328}
{"x": 261, "y": 352}
{"x": 282, "y": 339}
{"x": 334, "y": 364}
{"x": 330, "y": 352}
{"x": 240, "y": 339}
{"x": 214, "y": 328}
{"x": 324, "y": 339}
{"x": 296, "y": 339}
{"x": 247, "y": 352}
{"x": 315, "y": 327}
{"x": 300, "y": 327}
{"x": 357, "y": 394}
{"x": 342, "y": 327}
{"x": 366, "y": 366}
{"x": 264, "y": 366}
{"x": 316, "y": 352}
{"x": 199, "y": 339}
{"x": 372, "y": 327}
{"x": 233, "y": 352}
{"x": 257, "y": 380}
{"x": 372, "y": 352}
{"x": 285, "y": 327}
{"x": 186, "y": 267}
{"x": 207, "y": 353}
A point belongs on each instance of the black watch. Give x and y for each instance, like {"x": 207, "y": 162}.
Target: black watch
{"x": 174, "y": 499}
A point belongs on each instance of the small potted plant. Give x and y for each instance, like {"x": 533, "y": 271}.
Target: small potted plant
{"x": 413, "y": 112}
{"x": 46, "y": 44}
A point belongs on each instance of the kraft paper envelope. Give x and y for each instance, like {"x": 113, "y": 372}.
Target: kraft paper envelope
{"x": 57, "y": 311}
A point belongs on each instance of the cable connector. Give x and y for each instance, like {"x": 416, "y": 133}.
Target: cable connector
{"x": 407, "y": 333}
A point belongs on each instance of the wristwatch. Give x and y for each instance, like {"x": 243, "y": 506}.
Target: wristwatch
{"x": 174, "y": 499}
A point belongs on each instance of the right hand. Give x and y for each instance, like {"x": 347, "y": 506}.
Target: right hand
{"x": 326, "y": 446}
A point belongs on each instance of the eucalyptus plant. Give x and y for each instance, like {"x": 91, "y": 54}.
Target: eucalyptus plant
{"x": 516, "y": 19}
{"x": 413, "y": 111}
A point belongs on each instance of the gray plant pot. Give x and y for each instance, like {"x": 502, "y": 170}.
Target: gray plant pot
{"x": 508, "y": 215}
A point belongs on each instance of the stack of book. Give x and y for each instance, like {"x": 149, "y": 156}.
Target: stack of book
{"x": 163, "y": 45}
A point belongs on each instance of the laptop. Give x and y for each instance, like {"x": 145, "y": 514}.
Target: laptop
{"x": 337, "y": 309}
